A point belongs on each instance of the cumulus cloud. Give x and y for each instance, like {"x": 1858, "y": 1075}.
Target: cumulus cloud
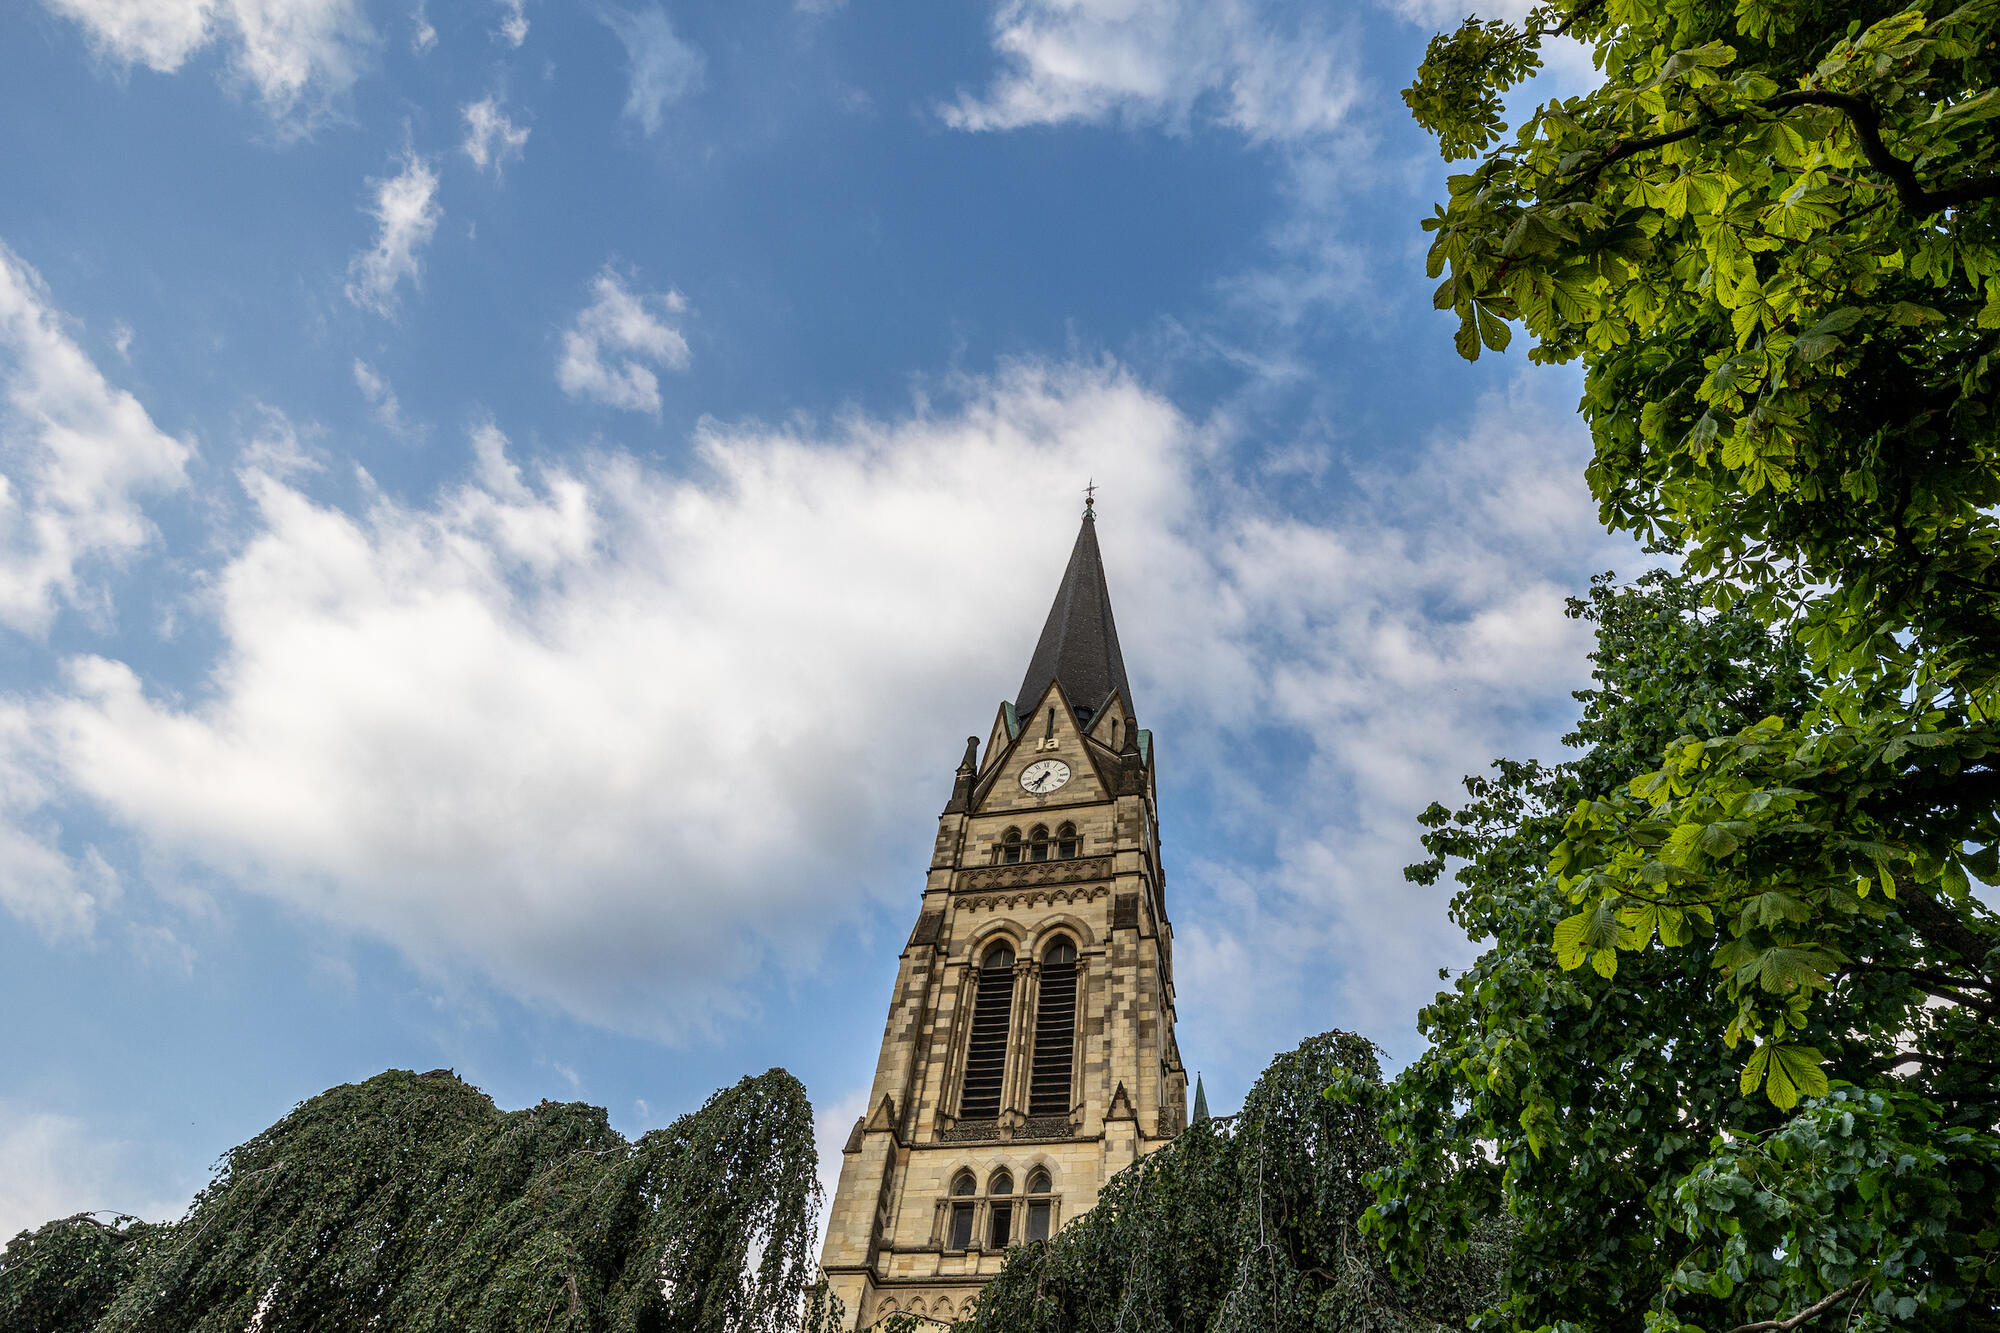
{"x": 621, "y": 742}
{"x": 406, "y": 214}
{"x": 295, "y": 53}
{"x": 76, "y": 458}
{"x": 661, "y": 67}
{"x": 1161, "y": 61}
{"x": 608, "y": 354}
{"x": 592, "y": 732}
{"x": 490, "y": 137}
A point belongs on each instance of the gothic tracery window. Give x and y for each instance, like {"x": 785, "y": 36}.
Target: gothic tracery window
{"x": 1010, "y": 847}
{"x": 1067, "y": 843}
{"x": 1038, "y": 843}
{"x": 986, "y": 1046}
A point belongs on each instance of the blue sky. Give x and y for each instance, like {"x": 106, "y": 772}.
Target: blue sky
{"x": 511, "y": 509}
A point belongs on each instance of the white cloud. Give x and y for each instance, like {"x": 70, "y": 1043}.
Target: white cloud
{"x": 1412, "y": 639}
{"x": 623, "y": 743}
{"x": 295, "y": 53}
{"x": 833, "y": 1121}
{"x": 592, "y": 733}
{"x": 662, "y": 68}
{"x": 608, "y": 353}
{"x": 490, "y": 137}
{"x": 513, "y": 22}
{"x": 1161, "y": 62}
{"x": 422, "y": 35}
{"x": 383, "y": 399}
{"x": 76, "y": 456}
{"x": 406, "y": 214}
{"x": 52, "y": 1166}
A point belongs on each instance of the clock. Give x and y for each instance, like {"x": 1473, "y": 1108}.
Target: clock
{"x": 1044, "y": 776}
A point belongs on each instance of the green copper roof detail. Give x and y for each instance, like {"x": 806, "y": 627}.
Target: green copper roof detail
{"x": 1200, "y": 1115}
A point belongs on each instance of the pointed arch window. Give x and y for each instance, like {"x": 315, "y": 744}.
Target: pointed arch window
{"x": 1038, "y": 843}
{"x": 1055, "y": 1031}
{"x": 1041, "y": 1208}
{"x": 1067, "y": 843}
{"x": 962, "y": 1190}
{"x": 1000, "y": 1211}
{"x": 1010, "y": 847}
{"x": 986, "y": 1048}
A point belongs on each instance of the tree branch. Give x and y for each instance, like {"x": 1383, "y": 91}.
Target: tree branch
{"x": 1867, "y": 122}
{"x": 1786, "y": 1325}
{"x": 1938, "y": 925}
{"x": 1866, "y": 119}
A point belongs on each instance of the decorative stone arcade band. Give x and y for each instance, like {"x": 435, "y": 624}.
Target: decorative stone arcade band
{"x": 968, "y": 1220}
{"x": 1012, "y": 849}
{"x": 1054, "y": 1050}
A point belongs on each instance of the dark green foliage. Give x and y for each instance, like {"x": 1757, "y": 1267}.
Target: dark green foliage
{"x": 1242, "y": 1224}
{"x": 1602, "y": 1112}
{"x": 63, "y": 1275}
{"x": 1771, "y": 236}
{"x": 411, "y": 1204}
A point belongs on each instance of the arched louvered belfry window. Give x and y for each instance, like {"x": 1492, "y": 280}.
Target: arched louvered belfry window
{"x": 1055, "y": 1031}
{"x": 1067, "y": 843}
{"x": 986, "y": 1049}
{"x": 1038, "y": 843}
{"x": 1010, "y": 847}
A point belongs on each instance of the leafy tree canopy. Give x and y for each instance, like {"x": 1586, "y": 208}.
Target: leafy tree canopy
{"x": 410, "y": 1203}
{"x": 1768, "y": 235}
{"x": 1243, "y": 1225}
{"x": 1600, "y": 1108}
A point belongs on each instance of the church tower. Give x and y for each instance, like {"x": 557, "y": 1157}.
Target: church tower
{"x": 1029, "y": 1053}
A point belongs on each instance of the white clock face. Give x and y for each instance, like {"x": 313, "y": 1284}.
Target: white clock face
{"x": 1044, "y": 776}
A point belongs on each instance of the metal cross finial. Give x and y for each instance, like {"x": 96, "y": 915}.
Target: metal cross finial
{"x": 1089, "y": 497}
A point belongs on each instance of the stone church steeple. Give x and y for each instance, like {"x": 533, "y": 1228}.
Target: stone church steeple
{"x": 1029, "y": 1052}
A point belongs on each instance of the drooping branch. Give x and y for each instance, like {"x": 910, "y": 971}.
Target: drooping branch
{"x": 1820, "y": 1308}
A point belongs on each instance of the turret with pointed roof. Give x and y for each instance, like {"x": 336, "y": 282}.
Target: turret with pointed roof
{"x": 1079, "y": 643}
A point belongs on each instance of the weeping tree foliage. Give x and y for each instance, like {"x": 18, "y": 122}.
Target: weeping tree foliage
{"x": 411, "y": 1204}
{"x": 1243, "y": 1225}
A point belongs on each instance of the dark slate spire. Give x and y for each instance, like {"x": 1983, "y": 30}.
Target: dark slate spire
{"x": 1079, "y": 644}
{"x": 1200, "y": 1116}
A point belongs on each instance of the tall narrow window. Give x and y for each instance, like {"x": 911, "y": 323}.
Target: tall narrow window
{"x": 961, "y": 1212}
{"x": 1000, "y": 1210}
{"x": 1039, "y": 1206}
{"x": 1038, "y": 843}
{"x": 986, "y": 1051}
{"x": 1067, "y": 843}
{"x": 1010, "y": 847}
{"x": 1055, "y": 1032}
